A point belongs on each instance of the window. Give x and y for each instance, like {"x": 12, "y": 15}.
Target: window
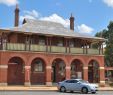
{"x": 38, "y": 66}
{"x": 71, "y": 81}
{"x": 71, "y": 43}
{"x": 41, "y": 41}
{"x": 74, "y": 81}
{"x": 60, "y": 43}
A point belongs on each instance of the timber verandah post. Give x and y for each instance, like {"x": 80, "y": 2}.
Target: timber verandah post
{"x": 4, "y": 41}
{"x": 28, "y": 42}
{"x": 1, "y": 41}
{"x": 66, "y": 45}
{"x": 46, "y": 43}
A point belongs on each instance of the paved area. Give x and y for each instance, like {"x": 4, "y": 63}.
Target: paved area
{"x": 50, "y": 93}
{"x": 44, "y": 88}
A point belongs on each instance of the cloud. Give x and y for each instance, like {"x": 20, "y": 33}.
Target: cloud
{"x": 57, "y": 18}
{"x": 109, "y": 2}
{"x": 9, "y": 2}
{"x": 36, "y": 15}
{"x": 33, "y": 13}
{"x": 85, "y": 29}
{"x": 30, "y": 14}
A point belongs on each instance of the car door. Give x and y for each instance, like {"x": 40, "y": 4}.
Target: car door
{"x": 68, "y": 85}
{"x": 75, "y": 85}
{"x": 71, "y": 85}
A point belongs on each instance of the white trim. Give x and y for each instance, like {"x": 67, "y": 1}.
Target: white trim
{"x": 102, "y": 82}
{"x": 85, "y": 67}
{"x": 27, "y": 67}
{"x": 49, "y": 83}
{"x": 101, "y": 67}
{"x": 3, "y": 84}
{"x": 27, "y": 84}
{"x": 68, "y": 67}
{"x": 4, "y": 66}
{"x": 48, "y": 67}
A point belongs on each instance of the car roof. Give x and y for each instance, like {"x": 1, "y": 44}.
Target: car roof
{"x": 74, "y": 79}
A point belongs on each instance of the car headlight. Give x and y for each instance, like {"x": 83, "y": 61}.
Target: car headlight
{"x": 92, "y": 87}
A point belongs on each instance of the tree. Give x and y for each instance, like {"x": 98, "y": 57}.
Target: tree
{"x": 108, "y": 34}
{"x": 109, "y": 44}
{"x": 102, "y": 34}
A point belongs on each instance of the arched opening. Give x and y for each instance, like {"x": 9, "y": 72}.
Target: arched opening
{"x": 16, "y": 75}
{"x": 77, "y": 69}
{"x": 38, "y": 72}
{"x": 93, "y": 72}
{"x": 58, "y": 70}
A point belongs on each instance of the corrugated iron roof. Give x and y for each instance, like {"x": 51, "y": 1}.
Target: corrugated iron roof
{"x": 49, "y": 28}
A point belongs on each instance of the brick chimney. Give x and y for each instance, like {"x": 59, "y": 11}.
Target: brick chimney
{"x": 16, "y": 15}
{"x": 72, "y": 23}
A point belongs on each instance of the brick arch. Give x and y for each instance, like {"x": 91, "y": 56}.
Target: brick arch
{"x": 37, "y": 57}
{"x": 61, "y": 58}
{"x": 19, "y": 56}
{"x": 16, "y": 57}
{"x": 94, "y": 59}
{"x": 58, "y": 73}
{"x": 77, "y": 58}
{"x": 78, "y": 67}
{"x": 38, "y": 78}
{"x": 15, "y": 75}
{"x": 93, "y": 71}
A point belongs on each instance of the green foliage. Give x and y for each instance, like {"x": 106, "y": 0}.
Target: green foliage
{"x": 108, "y": 34}
{"x": 109, "y": 48}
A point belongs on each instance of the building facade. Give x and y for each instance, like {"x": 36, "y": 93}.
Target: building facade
{"x": 43, "y": 52}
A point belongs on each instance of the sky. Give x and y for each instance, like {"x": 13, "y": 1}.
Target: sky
{"x": 91, "y": 16}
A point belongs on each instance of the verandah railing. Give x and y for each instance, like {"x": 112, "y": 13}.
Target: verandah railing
{"x": 52, "y": 49}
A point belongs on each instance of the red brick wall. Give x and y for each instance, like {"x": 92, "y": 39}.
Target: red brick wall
{"x": 28, "y": 57}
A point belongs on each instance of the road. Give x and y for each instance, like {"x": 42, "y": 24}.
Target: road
{"x": 50, "y": 93}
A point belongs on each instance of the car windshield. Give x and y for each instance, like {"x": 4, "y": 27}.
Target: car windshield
{"x": 83, "y": 81}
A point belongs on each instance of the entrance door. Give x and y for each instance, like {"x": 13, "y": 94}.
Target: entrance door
{"x": 93, "y": 72}
{"x": 15, "y": 75}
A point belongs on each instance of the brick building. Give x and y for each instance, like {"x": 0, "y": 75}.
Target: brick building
{"x": 44, "y": 52}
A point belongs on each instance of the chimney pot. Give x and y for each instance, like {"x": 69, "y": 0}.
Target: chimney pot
{"x": 16, "y": 15}
{"x": 72, "y": 22}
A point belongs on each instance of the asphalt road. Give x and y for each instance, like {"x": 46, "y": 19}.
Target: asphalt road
{"x": 50, "y": 93}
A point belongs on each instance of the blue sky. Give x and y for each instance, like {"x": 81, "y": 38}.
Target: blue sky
{"x": 91, "y": 16}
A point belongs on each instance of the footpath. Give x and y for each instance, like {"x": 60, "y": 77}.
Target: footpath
{"x": 43, "y": 88}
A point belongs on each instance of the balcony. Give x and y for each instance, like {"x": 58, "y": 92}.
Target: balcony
{"x": 37, "y": 48}
{"x": 58, "y": 49}
{"x": 50, "y": 49}
{"x": 14, "y": 46}
{"x": 93, "y": 51}
{"x": 77, "y": 50}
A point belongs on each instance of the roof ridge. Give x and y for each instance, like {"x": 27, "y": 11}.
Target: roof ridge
{"x": 28, "y": 20}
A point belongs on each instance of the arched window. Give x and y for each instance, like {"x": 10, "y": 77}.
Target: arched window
{"x": 38, "y": 66}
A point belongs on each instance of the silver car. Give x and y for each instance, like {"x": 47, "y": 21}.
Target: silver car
{"x": 77, "y": 85}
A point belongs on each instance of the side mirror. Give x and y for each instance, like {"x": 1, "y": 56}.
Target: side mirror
{"x": 78, "y": 82}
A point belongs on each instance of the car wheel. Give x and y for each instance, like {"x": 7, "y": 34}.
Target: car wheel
{"x": 93, "y": 92}
{"x": 84, "y": 90}
{"x": 71, "y": 91}
{"x": 63, "y": 89}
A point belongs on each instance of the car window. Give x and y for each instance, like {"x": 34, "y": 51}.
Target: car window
{"x": 74, "y": 81}
{"x": 67, "y": 81}
{"x": 83, "y": 81}
{"x": 71, "y": 81}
